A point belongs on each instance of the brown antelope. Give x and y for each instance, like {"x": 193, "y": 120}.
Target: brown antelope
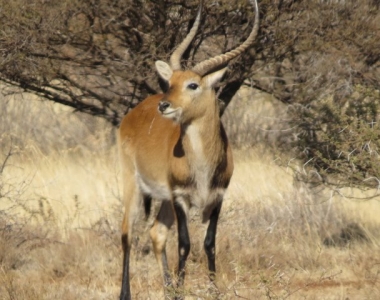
{"x": 173, "y": 149}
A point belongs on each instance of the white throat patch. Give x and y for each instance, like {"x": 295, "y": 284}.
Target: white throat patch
{"x": 200, "y": 167}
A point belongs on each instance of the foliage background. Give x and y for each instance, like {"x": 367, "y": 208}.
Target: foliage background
{"x": 321, "y": 58}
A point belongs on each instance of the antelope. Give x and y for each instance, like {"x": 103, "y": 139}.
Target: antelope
{"x": 173, "y": 149}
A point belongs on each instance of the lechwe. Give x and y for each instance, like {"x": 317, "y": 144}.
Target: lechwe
{"x": 173, "y": 149}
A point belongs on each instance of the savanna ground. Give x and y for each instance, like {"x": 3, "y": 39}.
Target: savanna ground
{"x": 61, "y": 210}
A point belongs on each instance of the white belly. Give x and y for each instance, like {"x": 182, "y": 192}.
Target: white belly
{"x": 157, "y": 190}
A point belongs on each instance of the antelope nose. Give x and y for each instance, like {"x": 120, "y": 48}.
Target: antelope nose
{"x": 163, "y": 105}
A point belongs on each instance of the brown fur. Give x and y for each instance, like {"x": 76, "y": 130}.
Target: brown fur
{"x": 173, "y": 148}
{"x": 186, "y": 160}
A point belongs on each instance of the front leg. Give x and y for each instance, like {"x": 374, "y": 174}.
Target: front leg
{"x": 209, "y": 243}
{"x": 183, "y": 240}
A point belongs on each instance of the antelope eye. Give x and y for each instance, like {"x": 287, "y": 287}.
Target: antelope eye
{"x": 193, "y": 86}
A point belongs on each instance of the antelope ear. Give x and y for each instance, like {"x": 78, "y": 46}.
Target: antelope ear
{"x": 164, "y": 70}
{"x": 214, "y": 78}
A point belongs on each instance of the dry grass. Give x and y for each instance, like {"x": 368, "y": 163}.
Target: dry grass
{"x": 60, "y": 214}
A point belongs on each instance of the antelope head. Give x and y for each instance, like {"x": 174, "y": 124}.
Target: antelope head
{"x": 195, "y": 88}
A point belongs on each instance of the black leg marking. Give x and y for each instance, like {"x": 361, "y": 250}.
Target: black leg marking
{"x": 183, "y": 242}
{"x": 209, "y": 242}
{"x": 147, "y": 205}
{"x": 125, "y": 293}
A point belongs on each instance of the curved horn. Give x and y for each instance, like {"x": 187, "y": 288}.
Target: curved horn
{"x": 206, "y": 66}
{"x": 175, "y": 58}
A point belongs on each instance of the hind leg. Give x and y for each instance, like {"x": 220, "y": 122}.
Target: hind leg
{"x": 159, "y": 234}
{"x": 131, "y": 198}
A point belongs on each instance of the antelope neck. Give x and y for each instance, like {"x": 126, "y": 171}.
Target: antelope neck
{"x": 202, "y": 142}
